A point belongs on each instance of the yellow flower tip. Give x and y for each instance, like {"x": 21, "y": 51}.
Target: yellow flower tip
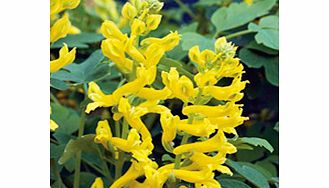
{"x": 129, "y": 11}
{"x": 153, "y": 21}
{"x": 220, "y": 42}
{"x": 137, "y": 27}
{"x": 60, "y": 28}
{"x": 98, "y": 183}
{"x": 74, "y": 30}
{"x": 103, "y": 133}
{"x": 53, "y": 125}
{"x": 110, "y": 30}
{"x": 70, "y": 4}
{"x": 66, "y": 57}
{"x": 194, "y": 54}
{"x": 249, "y": 2}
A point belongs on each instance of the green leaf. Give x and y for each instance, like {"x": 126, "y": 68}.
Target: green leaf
{"x": 256, "y": 60}
{"x": 238, "y": 14}
{"x": 208, "y": 2}
{"x": 192, "y": 27}
{"x": 90, "y": 70}
{"x": 256, "y": 142}
{"x": 272, "y": 72}
{"x": 58, "y": 84}
{"x": 261, "y": 48}
{"x": 67, "y": 119}
{"x": 191, "y": 39}
{"x": 267, "y": 31}
{"x": 86, "y": 179}
{"x": 232, "y": 183}
{"x": 85, "y": 143}
{"x": 251, "y": 174}
{"x": 80, "y": 41}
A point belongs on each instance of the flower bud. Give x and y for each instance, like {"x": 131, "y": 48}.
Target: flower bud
{"x": 153, "y": 21}
{"x": 129, "y": 11}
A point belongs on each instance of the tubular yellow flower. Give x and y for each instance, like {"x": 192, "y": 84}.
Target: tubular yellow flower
{"x": 98, "y": 97}
{"x": 60, "y": 29}
{"x": 103, "y": 133}
{"x": 98, "y": 183}
{"x": 169, "y": 127}
{"x": 129, "y": 11}
{"x": 153, "y": 21}
{"x": 181, "y": 87}
{"x": 65, "y": 57}
{"x": 194, "y": 176}
{"x": 137, "y": 27}
{"x": 215, "y": 143}
{"x": 225, "y": 93}
{"x": 55, "y": 6}
{"x": 133, "y": 172}
{"x": 110, "y": 30}
{"x": 199, "y": 128}
{"x": 112, "y": 48}
{"x": 168, "y": 42}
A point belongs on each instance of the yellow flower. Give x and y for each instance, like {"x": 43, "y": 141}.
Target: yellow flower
{"x": 152, "y": 21}
{"x": 60, "y": 29}
{"x": 128, "y": 145}
{"x": 70, "y": 4}
{"x": 133, "y": 118}
{"x": 215, "y": 163}
{"x": 151, "y": 94}
{"x": 198, "y": 128}
{"x": 153, "y": 54}
{"x": 169, "y": 127}
{"x": 133, "y": 172}
{"x": 114, "y": 49}
{"x": 227, "y": 109}
{"x": 194, "y": 176}
{"x": 65, "y": 57}
{"x": 215, "y": 143}
{"x": 98, "y": 183}
{"x": 129, "y": 11}
{"x": 110, "y": 30}
{"x": 103, "y": 133}
{"x": 181, "y": 87}
{"x": 55, "y": 6}
{"x": 53, "y": 125}
{"x": 168, "y": 42}
{"x": 98, "y": 97}
{"x": 227, "y": 93}
{"x": 137, "y": 27}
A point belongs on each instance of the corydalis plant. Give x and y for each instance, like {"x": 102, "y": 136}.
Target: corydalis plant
{"x": 195, "y": 162}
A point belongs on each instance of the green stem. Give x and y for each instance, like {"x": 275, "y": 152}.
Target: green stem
{"x": 53, "y": 98}
{"x": 186, "y": 9}
{"x": 78, "y": 155}
{"x": 179, "y": 157}
{"x": 237, "y": 34}
{"x": 119, "y": 165}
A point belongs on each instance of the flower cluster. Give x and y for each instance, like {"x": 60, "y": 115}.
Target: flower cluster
{"x": 60, "y": 27}
{"x": 204, "y": 145}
